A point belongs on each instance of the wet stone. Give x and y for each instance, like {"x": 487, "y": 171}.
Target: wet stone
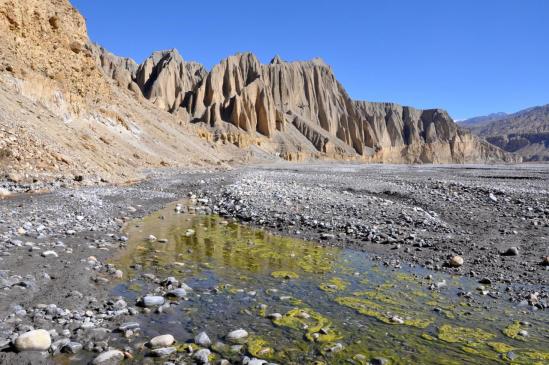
{"x": 237, "y": 336}
{"x": 162, "y": 341}
{"x": 177, "y": 293}
{"x": 152, "y": 301}
{"x": 110, "y": 357}
{"x": 72, "y": 348}
{"x": 163, "y": 351}
{"x": 379, "y": 361}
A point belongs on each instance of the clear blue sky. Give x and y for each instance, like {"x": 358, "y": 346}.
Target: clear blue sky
{"x": 471, "y": 57}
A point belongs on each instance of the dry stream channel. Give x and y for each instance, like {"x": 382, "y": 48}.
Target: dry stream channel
{"x": 302, "y": 303}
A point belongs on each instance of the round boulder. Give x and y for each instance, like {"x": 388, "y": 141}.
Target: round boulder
{"x": 162, "y": 341}
{"x": 455, "y": 261}
{"x": 37, "y": 340}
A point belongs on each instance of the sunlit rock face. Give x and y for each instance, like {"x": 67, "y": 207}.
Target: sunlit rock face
{"x": 300, "y": 109}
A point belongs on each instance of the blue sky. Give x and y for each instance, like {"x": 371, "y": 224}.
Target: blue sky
{"x": 471, "y": 57}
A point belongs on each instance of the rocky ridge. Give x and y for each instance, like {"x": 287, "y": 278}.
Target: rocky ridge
{"x": 525, "y": 133}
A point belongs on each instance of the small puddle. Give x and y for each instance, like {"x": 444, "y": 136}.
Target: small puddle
{"x": 336, "y": 306}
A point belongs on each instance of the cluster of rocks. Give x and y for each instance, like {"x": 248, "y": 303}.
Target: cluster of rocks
{"x": 202, "y": 350}
{"x": 53, "y": 271}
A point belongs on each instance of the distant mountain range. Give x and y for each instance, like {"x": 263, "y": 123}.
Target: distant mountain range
{"x": 525, "y": 132}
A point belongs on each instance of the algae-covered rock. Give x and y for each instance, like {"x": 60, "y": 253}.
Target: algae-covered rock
{"x": 380, "y": 312}
{"x": 334, "y": 285}
{"x": 317, "y": 327}
{"x": 284, "y": 275}
{"x": 513, "y": 331}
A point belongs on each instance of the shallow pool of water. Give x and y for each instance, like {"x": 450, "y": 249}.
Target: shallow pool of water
{"x": 337, "y": 306}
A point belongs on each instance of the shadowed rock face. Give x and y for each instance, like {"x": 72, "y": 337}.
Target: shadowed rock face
{"x": 165, "y": 79}
{"x": 265, "y": 99}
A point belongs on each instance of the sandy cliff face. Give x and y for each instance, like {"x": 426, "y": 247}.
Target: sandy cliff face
{"x": 61, "y": 113}
{"x": 70, "y": 107}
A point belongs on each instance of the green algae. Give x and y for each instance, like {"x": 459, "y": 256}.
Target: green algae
{"x": 512, "y": 330}
{"x": 334, "y": 285}
{"x": 500, "y": 347}
{"x": 427, "y": 337}
{"x": 216, "y": 246}
{"x": 244, "y": 260}
{"x": 258, "y": 347}
{"x": 317, "y": 327}
{"x": 455, "y": 334}
{"x": 378, "y": 311}
{"x": 536, "y": 355}
{"x": 135, "y": 287}
{"x": 405, "y": 277}
{"x": 377, "y": 296}
{"x": 481, "y": 351}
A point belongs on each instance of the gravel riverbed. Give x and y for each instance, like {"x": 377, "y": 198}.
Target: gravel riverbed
{"x": 487, "y": 222}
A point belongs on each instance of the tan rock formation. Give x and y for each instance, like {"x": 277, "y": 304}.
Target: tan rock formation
{"x": 265, "y": 99}
{"x": 165, "y": 79}
{"x": 122, "y": 70}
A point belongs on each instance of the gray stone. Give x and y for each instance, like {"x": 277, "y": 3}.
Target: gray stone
{"x": 111, "y": 357}
{"x": 162, "y": 341}
{"x": 128, "y": 326}
{"x": 72, "y": 348}
{"x": 237, "y": 336}
{"x": 511, "y": 251}
{"x": 203, "y": 340}
{"x": 177, "y": 293}
{"x": 163, "y": 351}
{"x": 202, "y": 356}
{"x": 152, "y": 301}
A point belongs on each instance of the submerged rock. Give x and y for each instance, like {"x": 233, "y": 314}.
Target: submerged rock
{"x": 163, "y": 351}
{"x": 111, "y": 357}
{"x": 237, "y": 336}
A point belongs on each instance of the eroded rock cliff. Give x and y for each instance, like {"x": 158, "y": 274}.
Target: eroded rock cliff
{"x": 278, "y": 99}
